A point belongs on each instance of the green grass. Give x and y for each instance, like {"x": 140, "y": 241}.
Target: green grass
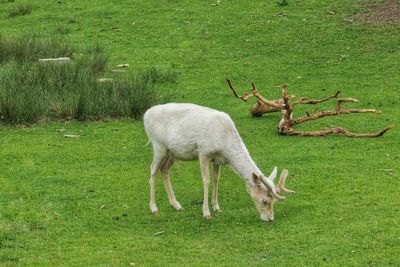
{"x": 31, "y": 91}
{"x": 35, "y": 92}
{"x": 6, "y": 1}
{"x": 30, "y": 47}
{"x": 20, "y": 10}
{"x": 58, "y": 195}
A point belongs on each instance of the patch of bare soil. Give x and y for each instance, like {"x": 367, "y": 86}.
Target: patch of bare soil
{"x": 386, "y": 13}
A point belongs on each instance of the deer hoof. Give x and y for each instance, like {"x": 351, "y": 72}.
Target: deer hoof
{"x": 217, "y": 209}
{"x": 177, "y": 206}
{"x": 154, "y": 210}
{"x": 207, "y": 217}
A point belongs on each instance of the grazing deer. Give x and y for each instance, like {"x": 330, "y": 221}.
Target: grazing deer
{"x": 192, "y": 132}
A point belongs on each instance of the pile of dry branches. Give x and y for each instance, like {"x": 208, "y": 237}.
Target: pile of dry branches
{"x": 286, "y": 106}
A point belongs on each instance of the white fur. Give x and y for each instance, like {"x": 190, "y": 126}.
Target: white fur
{"x": 192, "y": 132}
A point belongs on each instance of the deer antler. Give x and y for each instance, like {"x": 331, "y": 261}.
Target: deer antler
{"x": 281, "y": 184}
{"x": 269, "y": 183}
{"x": 263, "y": 105}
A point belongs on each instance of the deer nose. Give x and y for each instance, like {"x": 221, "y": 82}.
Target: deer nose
{"x": 265, "y": 217}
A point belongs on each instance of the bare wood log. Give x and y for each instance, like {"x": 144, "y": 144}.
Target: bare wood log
{"x": 104, "y": 80}
{"x": 260, "y": 108}
{"x": 118, "y": 71}
{"x": 60, "y": 60}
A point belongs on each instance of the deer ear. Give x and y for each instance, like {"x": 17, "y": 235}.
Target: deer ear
{"x": 256, "y": 179}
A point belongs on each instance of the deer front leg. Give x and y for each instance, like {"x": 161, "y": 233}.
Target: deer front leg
{"x": 205, "y": 173}
{"x": 217, "y": 169}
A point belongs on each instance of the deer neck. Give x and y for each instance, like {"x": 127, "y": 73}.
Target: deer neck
{"x": 241, "y": 162}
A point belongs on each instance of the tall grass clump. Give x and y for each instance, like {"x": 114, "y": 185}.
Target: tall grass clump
{"x": 124, "y": 97}
{"x": 33, "y": 92}
{"x": 20, "y": 10}
{"x": 61, "y": 29}
{"x": 96, "y": 59}
{"x": 31, "y": 47}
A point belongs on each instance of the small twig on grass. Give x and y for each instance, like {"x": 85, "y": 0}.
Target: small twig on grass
{"x": 159, "y": 233}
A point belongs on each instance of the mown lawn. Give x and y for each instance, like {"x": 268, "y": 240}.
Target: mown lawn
{"x": 84, "y": 201}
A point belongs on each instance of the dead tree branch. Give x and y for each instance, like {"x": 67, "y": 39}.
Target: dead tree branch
{"x": 287, "y": 121}
{"x": 338, "y": 130}
{"x": 262, "y": 105}
{"x": 321, "y": 114}
{"x": 304, "y": 100}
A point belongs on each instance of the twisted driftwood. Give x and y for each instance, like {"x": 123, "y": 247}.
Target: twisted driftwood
{"x": 287, "y": 121}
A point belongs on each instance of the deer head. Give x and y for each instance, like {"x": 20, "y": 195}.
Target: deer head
{"x": 265, "y": 193}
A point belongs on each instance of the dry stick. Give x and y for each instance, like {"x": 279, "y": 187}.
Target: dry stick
{"x": 275, "y": 104}
{"x": 262, "y": 106}
{"x": 288, "y": 106}
{"x": 244, "y": 97}
{"x": 60, "y": 60}
{"x": 304, "y": 100}
{"x": 340, "y": 100}
{"x": 321, "y": 114}
{"x": 338, "y": 131}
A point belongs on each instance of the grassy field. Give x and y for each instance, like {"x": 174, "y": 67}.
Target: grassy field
{"x": 84, "y": 201}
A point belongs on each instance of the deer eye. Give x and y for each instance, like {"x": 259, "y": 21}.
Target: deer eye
{"x": 264, "y": 202}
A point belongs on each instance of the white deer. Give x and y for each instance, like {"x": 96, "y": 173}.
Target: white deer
{"x": 192, "y": 132}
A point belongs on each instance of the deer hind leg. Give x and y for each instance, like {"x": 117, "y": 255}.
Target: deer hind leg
{"x": 205, "y": 173}
{"x": 165, "y": 167}
{"x": 217, "y": 170}
{"x": 159, "y": 156}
